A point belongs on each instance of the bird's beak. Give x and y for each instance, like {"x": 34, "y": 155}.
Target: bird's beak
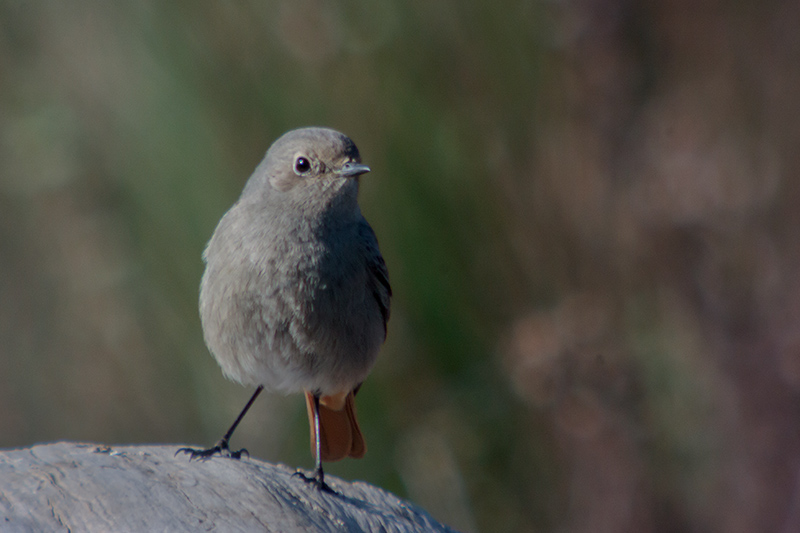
{"x": 351, "y": 170}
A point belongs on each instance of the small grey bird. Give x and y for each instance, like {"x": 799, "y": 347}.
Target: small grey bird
{"x": 295, "y": 295}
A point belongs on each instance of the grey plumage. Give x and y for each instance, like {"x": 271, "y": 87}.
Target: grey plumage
{"x": 295, "y": 294}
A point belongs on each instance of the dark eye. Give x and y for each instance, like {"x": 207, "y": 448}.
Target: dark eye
{"x": 302, "y": 165}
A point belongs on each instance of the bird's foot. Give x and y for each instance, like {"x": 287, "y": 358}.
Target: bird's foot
{"x": 318, "y": 480}
{"x": 220, "y": 448}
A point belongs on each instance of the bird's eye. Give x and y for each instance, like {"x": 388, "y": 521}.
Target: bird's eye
{"x": 302, "y": 165}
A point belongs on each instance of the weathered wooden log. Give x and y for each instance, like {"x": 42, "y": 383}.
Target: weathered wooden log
{"x": 89, "y": 487}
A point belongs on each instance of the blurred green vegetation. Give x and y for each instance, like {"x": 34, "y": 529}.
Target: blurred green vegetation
{"x": 588, "y": 210}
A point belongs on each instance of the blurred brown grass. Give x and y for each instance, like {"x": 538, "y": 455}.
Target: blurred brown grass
{"x": 588, "y": 209}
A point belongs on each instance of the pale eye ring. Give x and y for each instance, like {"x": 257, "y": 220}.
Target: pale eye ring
{"x": 302, "y": 165}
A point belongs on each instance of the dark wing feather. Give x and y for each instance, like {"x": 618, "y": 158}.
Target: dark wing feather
{"x": 379, "y": 275}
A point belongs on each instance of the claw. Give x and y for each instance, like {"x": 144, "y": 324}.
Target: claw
{"x": 318, "y": 480}
{"x": 221, "y": 448}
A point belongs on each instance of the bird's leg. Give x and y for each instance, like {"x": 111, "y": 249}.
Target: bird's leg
{"x": 222, "y": 447}
{"x": 318, "y": 479}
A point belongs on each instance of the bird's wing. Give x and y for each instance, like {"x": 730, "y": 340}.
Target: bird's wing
{"x": 379, "y": 275}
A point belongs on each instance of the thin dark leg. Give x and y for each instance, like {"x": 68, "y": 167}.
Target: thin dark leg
{"x": 318, "y": 473}
{"x": 222, "y": 446}
{"x": 227, "y": 437}
{"x": 318, "y": 479}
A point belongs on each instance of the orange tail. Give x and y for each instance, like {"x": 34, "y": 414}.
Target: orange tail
{"x": 340, "y": 435}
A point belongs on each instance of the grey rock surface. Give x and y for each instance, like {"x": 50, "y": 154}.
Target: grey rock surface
{"x": 70, "y": 486}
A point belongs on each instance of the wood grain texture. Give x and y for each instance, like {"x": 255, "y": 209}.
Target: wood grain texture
{"x": 70, "y": 486}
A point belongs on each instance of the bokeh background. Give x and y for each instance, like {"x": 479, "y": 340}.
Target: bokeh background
{"x": 590, "y": 211}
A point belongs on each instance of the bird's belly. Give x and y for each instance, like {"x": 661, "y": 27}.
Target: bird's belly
{"x": 291, "y": 332}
